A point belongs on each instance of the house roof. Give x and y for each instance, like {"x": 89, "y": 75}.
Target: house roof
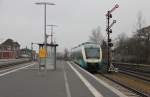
{"x": 147, "y": 29}
{"x": 10, "y": 42}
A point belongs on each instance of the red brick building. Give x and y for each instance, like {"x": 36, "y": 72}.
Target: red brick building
{"x": 9, "y": 49}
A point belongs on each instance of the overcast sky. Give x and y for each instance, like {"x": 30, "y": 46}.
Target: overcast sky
{"x": 22, "y": 20}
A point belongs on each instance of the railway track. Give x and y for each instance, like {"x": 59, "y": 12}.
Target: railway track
{"x": 145, "y": 69}
{"x": 136, "y": 91}
{"x": 136, "y": 74}
{"x": 142, "y": 73}
{"x": 133, "y": 79}
{"x": 13, "y": 63}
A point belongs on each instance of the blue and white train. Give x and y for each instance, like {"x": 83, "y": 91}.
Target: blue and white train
{"x": 89, "y": 56}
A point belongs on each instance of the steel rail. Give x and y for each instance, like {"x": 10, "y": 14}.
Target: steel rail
{"x": 140, "y": 93}
{"x": 10, "y": 64}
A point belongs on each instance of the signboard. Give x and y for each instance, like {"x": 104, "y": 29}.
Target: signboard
{"x": 42, "y": 53}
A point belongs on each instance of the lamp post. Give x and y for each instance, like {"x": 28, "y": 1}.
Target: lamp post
{"x": 45, "y": 35}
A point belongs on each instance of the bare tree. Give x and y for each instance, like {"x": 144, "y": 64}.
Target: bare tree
{"x": 121, "y": 40}
{"x": 136, "y": 48}
{"x": 140, "y": 20}
{"x": 141, "y": 40}
{"x": 120, "y": 47}
{"x": 96, "y": 36}
{"x": 139, "y": 25}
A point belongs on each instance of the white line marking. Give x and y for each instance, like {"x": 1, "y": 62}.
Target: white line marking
{"x": 6, "y": 69}
{"x": 89, "y": 86}
{"x": 117, "y": 92}
{"x": 15, "y": 70}
{"x": 66, "y": 84}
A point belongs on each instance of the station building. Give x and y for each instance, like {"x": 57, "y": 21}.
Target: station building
{"x": 9, "y": 49}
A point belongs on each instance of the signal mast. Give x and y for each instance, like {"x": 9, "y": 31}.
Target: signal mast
{"x": 109, "y": 30}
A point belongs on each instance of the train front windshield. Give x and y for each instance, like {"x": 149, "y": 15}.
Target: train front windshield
{"x": 92, "y": 53}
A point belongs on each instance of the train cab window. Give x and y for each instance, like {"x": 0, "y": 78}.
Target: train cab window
{"x": 92, "y": 53}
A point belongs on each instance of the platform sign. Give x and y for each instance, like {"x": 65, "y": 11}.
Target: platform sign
{"x": 42, "y": 53}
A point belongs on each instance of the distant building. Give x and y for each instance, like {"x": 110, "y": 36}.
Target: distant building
{"x": 145, "y": 29}
{"x": 145, "y": 32}
{"x": 28, "y": 53}
{"x": 25, "y": 52}
{"x": 9, "y": 49}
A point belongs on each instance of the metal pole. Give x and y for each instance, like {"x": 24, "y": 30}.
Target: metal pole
{"x": 32, "y": 51}
{"x": 55, "y": 57}
{"x": 45, "y": 40}
{"x": 108, "y": 52}
{"x": 45, "y": 36}
{"x": 45, "y": 43}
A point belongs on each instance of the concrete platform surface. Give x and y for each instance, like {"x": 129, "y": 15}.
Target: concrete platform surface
{"x": 67, "y": 81}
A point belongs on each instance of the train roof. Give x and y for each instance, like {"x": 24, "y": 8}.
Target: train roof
{"x": 85, "y": 43}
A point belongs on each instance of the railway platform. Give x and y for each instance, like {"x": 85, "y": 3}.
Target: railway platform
{"x": 68, "y": 80}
